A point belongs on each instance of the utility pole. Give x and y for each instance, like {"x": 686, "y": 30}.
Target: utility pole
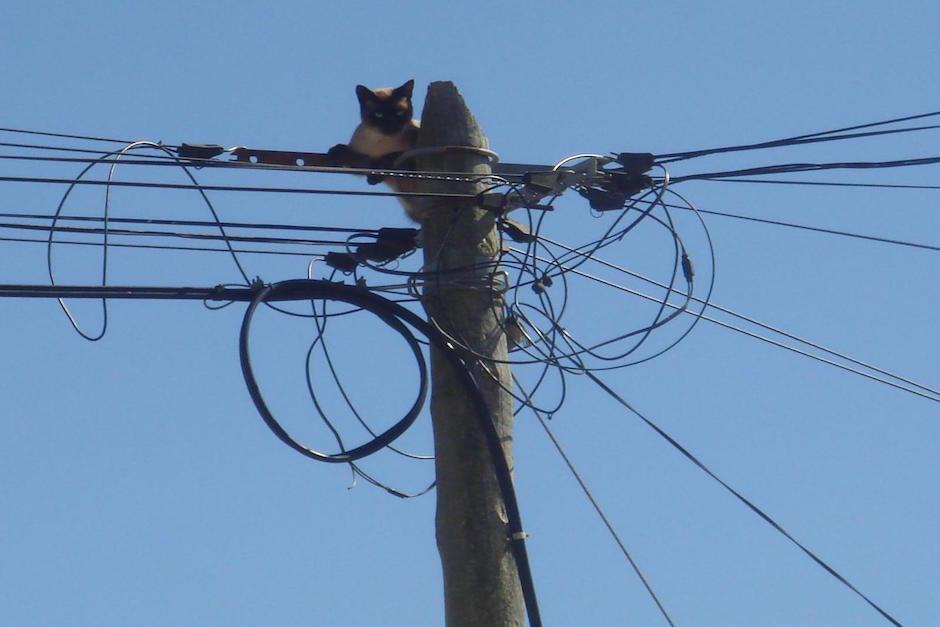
{"x": 481, "y": 583}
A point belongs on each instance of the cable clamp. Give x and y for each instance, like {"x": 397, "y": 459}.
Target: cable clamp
{"x": 390, "y": 243}
{"x": 542, "y": 283}
{"x": 636, "y": 162}
{"x": 518, "y": 536}
{"x": 199, "y": 151}
{"x": 550, "y": 182}
{"x": 604, "y": 200}
{"x": 502, "y": 203}
{"x": 344, "y": 262}
{"x": 688, "y": 270}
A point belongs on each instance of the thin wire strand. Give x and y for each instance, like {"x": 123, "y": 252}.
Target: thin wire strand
{"x": 822, "y": 183}
{"x": 756, "y": 322}
{"x": 66, "y": 135}
{"x": 747, "y": 502}
{"x": 26, "y": 240}
{"x": 807, "y": 227}
{"x": 600, "y": 512}
{"x": 235, "y": 188}
{"x": 675, "y": 156}
{"x": 757, "y": 336}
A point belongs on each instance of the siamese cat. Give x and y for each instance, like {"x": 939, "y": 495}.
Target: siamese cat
{"x": 387, "y": 129}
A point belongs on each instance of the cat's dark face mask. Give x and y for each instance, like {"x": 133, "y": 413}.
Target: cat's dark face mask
{"x": 387, "y": 110}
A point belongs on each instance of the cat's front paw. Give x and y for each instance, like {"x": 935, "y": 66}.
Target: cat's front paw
{"x": 385, "y": 162}
{"x": 339, "y": 155}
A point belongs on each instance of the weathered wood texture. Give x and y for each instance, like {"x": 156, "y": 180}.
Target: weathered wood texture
{"x": 481, "y": 585}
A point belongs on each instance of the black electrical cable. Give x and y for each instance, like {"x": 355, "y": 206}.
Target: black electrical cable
{"x": 817, "y": 229}
{"x": 375, "y": 444}
{"x": 66, "y": 135}
{"x": 786, "y": 168}
{"x": 935, "y": 398}
{"x": 396, "y": 317}
{"x": 794, "y": 142}
{"x": 822, "y": 183}
{"x": 807, "y": 227}
{"x": 675, "y": 156}
{"x": 754, "y": 321}
{"x": 320, "y": 321}
{"x": 200, "y": 249}
{"x": 750, "y": 505}
{"x": 600, "y": 513}
{"x": 103, "y": 154}
{"x": 234, "y": 188}
{"x": 205, "y": 223}
{"x": 196, "y": 236}
{"x": 107, "y": 195}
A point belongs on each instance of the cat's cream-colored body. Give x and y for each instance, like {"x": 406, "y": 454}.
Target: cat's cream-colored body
{"x": 370, "y": 141}
{"x": 373, "y": 143}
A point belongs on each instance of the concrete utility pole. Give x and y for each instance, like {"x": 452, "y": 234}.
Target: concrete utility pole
{"x": 481, "y": 584}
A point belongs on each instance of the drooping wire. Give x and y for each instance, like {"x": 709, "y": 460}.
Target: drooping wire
{"x": 740, "y": 497}
{"x": 399, "y": 319}
{"x": 320, "y": 319}
{"x": 109, "y": 183}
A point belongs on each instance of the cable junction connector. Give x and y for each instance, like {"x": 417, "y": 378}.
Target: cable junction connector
{"x": 610, "y": 189}
{"x": 604, "y": 199}
{"x": 199, "y": 151}
{"x": 344, "y": 262}
{"x": 636, "y": 162}
{"x": 549, "y": 182}
{"x": 502, "y": 203}
{"x": 390, "y": 243}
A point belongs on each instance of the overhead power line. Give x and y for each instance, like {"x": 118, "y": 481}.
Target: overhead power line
{"x": 806, "y": 138}
{"x": 240, "y": 251}
{"x": 822, "y": 183}
{"x": 201, "y": 223}
{"x": 233, "y": 188}
{"x": 808, "y": 167}
{"x": 66, "y": 135}
{"x": 533, "y": 279}
{"x": 740, "y": 497}
{"x": 756, "y": 322}
{"x": 808, "y": 227}
{"x": 175, "y": 234}
{"x": 931, "y": 397}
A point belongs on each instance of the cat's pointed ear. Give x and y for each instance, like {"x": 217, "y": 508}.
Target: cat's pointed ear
{"x": 364, "y": 93}
{"x": 406, "y": 89}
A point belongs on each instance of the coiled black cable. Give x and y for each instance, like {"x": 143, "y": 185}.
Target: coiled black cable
{"x": 324, "y": 290}
{"x": 400, "y": 319}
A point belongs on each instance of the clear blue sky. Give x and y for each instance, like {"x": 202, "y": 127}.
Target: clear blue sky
{"x": 141, "y": 488}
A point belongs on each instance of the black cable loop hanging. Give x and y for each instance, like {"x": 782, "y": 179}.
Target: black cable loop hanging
{"x": 397, "y": 317}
